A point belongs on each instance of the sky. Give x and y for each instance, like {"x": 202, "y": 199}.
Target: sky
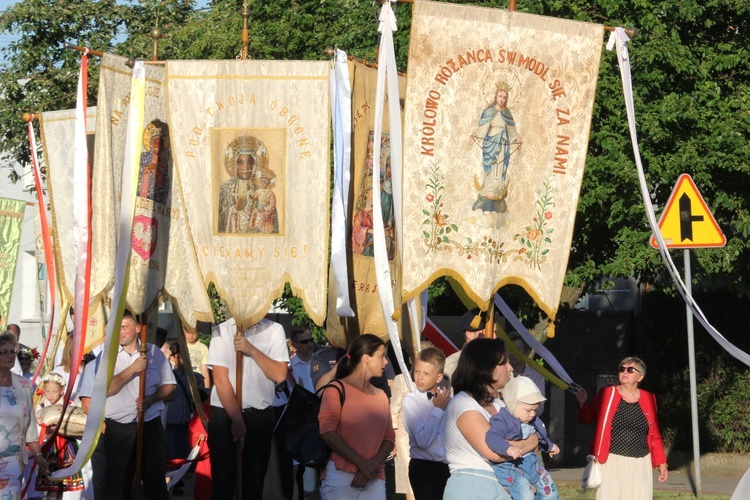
{"x": 6, "y": 38}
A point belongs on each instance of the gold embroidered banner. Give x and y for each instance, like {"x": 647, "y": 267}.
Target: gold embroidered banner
{"x": 58, "y": 132}
{"x": 498, "y": 112}
{"x": 363, "y": 288}
{"x": 11, "y": 222}
{"x": 251, "y": 145}
{"x": 162, "y": 256}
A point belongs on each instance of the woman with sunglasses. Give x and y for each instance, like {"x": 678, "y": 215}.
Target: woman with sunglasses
{"x": 627, "y": 441}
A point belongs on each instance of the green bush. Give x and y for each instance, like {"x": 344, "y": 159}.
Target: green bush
{"x": 723, "y": 382}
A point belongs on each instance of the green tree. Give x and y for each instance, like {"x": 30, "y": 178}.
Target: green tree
{"x": 39, "y": 73}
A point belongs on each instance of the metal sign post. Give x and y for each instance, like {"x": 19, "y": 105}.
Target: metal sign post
{"x": 687, "y": 223}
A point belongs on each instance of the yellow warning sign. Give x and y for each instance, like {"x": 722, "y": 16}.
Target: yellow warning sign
{"x": 687, "y": 222}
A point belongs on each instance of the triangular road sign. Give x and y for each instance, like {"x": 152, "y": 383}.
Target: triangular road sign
{"x": 687, "y": 222}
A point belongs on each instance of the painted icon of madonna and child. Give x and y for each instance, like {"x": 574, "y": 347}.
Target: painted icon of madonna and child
{"x": 247, "y": 202}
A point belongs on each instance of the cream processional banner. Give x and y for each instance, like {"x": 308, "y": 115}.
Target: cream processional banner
{"x": 498, "y": 112}
{"x": 58, "y": 133}
{"x": 363, "y": 287}
{"x": 162, "y": 257}
{"x": 251, "y": 143}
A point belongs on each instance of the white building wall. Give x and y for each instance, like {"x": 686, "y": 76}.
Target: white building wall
{"x": 25, "y": 307}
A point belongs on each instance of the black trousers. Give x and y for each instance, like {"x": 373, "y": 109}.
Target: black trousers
{"x": 428, "y": 478}
{"x": 255, "y": 453}
{"x": 113, "y": 461}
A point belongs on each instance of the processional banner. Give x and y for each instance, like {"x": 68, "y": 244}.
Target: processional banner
{"x": 162, "y": 257}
{"x": 363, "y": 288}
{"x": 58, "y": 132}
{"x": 11, "y": 222}
{"x": 498, "y": 111}
{"x": 251, "y": 145}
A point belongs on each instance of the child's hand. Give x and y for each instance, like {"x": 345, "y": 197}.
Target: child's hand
{"x": 514, "y": 452}
{"x": 442, "y": 398}
{"x": 554, "y": 451}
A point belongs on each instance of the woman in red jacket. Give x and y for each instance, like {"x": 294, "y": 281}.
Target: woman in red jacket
{"x": 627, "y": 442}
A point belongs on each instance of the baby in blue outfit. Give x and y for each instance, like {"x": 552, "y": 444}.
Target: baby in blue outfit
{"x": 525, "y": 476}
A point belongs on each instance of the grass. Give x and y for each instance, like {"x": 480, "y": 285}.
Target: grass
{"x": 570, "y": 491}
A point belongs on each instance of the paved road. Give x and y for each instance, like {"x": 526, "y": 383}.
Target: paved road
{"x": 680, "y": 480}
{"x": 719, "y": 476}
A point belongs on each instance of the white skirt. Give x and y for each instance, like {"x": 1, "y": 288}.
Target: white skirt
{"x": 626, "y": 478}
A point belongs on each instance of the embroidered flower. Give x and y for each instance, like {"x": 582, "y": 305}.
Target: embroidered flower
{"x": 533, "y": 234}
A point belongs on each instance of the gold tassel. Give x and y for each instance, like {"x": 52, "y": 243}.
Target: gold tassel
{"x": 551, "y": 330}
{"x": 475, "y": 322}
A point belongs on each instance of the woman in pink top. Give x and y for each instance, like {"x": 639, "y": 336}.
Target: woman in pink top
{"x": 359, "y": 433}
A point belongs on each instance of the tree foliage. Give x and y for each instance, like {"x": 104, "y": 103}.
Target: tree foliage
{"x": 690, "y": 76}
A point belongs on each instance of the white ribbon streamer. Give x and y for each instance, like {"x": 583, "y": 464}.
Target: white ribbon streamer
{"x": 127, "y": 208}
{"x": 341, "y": 116}
{"x": 81, "y": 210}
{"x": 620, "y": 39}
{"x": 387, "y": 77}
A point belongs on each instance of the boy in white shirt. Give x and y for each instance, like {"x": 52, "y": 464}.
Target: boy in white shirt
{"x": 422, "y": 412}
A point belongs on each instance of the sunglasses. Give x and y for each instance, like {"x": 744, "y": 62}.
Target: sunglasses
{"x": 305, "y": 341}
{"x": 629, "y": 369}
{"x": 7, "y": 352}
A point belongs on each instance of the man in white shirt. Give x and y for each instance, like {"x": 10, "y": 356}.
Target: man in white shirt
{"x": 265, "y": 359}
{"x": 113, "y": 462}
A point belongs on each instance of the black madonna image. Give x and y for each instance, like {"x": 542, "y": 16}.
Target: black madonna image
{"x": 248, "y": 198}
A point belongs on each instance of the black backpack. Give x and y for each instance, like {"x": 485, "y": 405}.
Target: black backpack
{"x": 298, "y": 429}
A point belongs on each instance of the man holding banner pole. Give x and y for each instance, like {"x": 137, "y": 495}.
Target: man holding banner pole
{"x": 115, "y": 467}
{"x": 249, "y": 422}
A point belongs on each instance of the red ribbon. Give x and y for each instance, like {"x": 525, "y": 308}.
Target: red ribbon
{"x": 46, "y": 240}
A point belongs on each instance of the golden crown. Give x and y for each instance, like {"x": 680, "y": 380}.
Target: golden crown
{"x": 503, "y": 86}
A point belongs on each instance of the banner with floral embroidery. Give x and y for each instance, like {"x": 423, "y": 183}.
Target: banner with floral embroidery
{"x": 498, "y": 111}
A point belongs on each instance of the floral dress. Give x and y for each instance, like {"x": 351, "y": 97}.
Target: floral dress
{"x": 15, "y": 429}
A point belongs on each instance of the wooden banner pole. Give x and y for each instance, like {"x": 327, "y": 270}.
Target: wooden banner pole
{"x": 143, "y": 349}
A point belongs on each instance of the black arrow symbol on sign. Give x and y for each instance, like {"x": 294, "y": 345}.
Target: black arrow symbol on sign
{"x": 687, "y": 218}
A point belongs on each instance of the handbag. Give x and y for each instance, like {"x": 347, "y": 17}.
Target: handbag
{"x": 298, "y": 429}
{"x": 592, "y": 474}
